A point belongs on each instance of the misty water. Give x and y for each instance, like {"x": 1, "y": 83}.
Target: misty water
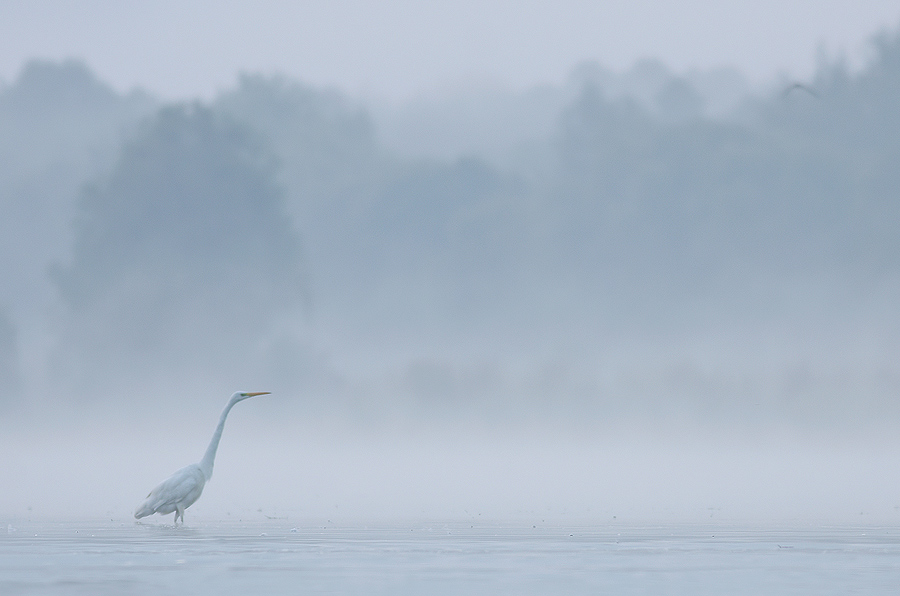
{"x": 452, "y": 512}
{"x": 285, "y": 557}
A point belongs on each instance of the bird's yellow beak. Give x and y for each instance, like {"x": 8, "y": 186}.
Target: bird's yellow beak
{"x": 260, "y": 393}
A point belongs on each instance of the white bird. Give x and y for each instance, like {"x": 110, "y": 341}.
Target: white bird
{"x": 182, "y": 489}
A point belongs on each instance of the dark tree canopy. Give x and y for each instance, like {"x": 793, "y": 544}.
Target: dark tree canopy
{"x": 183, "y": 254}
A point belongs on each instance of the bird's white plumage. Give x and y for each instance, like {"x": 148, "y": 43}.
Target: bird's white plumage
{"x": 176, "y": 493}
{"x": 182, "y": 489}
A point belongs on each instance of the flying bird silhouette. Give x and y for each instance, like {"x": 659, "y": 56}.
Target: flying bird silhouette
{"x": 182, "y": 489}
{"x": 799, "y": 87}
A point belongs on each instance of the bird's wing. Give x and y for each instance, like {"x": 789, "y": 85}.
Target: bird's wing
{"x": 801, "y": 87}
{"x": 181, "y": 488}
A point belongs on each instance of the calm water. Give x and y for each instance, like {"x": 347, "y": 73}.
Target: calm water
{"x": 284, "y": 557}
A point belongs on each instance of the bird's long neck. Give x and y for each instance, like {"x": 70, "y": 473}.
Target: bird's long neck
{"x": 206, "y": 464}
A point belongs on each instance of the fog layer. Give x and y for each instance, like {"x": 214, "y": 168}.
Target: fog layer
{"x": 643, "y": 250}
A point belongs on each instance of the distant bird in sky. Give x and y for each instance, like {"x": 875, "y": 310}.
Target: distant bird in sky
{"x": 800, "y": 87}
{"x": 182, "y": 489}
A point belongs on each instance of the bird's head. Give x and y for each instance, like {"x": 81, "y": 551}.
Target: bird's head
{"x": 241, "y": 396}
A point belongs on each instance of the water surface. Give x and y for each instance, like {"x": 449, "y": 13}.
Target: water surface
{"x": 284, "y": 557}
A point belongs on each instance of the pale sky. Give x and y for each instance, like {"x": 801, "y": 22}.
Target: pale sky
{"x": 395, "y": 49}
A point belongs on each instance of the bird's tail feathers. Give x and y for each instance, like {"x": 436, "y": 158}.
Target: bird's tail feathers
{"x": 143, "y": 510}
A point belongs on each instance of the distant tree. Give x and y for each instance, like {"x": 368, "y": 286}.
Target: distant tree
{"x": 61, "y": 112}
{"x": 678, "y": 101}
{"x": 432, "y": 214}
{"x": 184, "y": 257}
{"x": 326, "y": 146}
{"x": 59, "y": 127}
{"x": 841, "y": 146}
{"x": 662, "y": 208}
{"x": 330, "y": 166}
{"x": 653, "y": 215}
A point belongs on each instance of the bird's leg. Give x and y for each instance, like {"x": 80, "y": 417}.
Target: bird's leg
{"x": 179, "y": 510}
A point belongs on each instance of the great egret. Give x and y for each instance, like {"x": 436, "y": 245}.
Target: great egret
{"x": 182, "y": 489}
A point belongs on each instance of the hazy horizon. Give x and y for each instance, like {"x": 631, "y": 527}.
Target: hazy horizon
{"x": 402, "y": 50}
